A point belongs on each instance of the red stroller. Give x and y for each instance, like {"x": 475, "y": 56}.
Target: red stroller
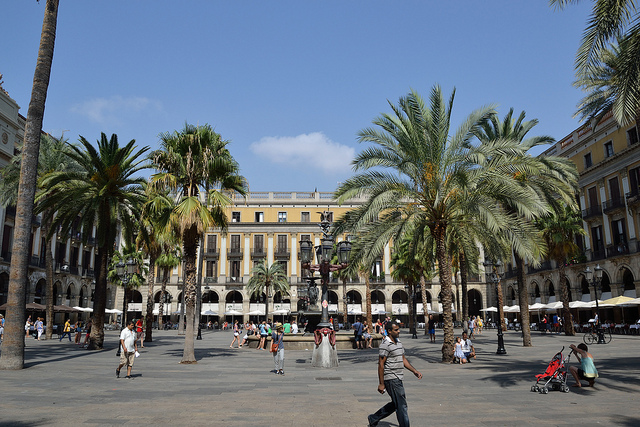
{"x": 555, "y": 376}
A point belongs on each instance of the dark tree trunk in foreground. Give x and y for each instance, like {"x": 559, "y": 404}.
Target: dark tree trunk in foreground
{"x": 523, "y": 297}
{"x": 567, "y": 318}
{"x": 13, "y": 345}
{"x": 48, "y": 266}
{"x": 444, "y": 265}
{"x": 149, "y": 317}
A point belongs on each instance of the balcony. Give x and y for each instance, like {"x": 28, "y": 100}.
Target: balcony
{"x": 513, "y": 272}
{"x": 210, "y": 280}
{"x": 613, "y": 205}
{"x": 91, "y": 241}
{"x": 282, "y": 252}
{"x": 598, "y": 254}
{"x": 234, "y": 253}
{"x": 374, "y": 280}
{"x": 230, "y": 279}
{"x": 546, "y": 265}
{"x": 211, "y": 253}
{"x": 620, "y": 249}
{"x": 591, "y": 212}
{"x": 35, "y": 261}
{"x": 258, "y": 252}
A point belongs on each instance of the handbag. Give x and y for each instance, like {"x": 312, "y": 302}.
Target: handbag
{"x": 276, "y": 344}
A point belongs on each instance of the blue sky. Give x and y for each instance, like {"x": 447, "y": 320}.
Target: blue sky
{"x": 290, "y": 83}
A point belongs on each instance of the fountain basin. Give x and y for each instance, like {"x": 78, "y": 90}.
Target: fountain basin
{"x": 344, "y": 341}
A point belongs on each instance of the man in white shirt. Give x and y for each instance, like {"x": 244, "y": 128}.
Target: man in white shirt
{"x": 294, "y": 327}
{"x": 129, "y": 348}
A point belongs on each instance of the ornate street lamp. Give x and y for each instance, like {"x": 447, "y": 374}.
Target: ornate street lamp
{"x": 596, "y": 281}
{"x": 324, "y": 352}
{"x": 493, "y": 275}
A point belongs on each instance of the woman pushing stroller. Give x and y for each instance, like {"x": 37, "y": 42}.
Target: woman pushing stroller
{"x": 587, "y": 370}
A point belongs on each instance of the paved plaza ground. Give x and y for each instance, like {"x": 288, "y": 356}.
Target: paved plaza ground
{"x": 65, "y": 385}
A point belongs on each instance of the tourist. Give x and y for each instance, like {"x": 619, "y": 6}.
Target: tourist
{"x": 1, "y": 327}
{"x": 294, "y": 327}
{"x": 87, "y": 333}
{"x": 587, "y": 370}
{"x": 27, "y": 326}
{"x": 391, "y": 364}
{"x": 78, "y": 328}
{"x": 263, "y": 335}
{"x": 287, "y": 327}
{"x": 431, "y": 326}
{"x": 66, "y": 330}
{"x": 39, "y": 327}
{"x": 357, "y": 333}
{"x": 366, "y": 335}
{"x": 139, "y": 332}
{"x": 472, "y": 324}
{"x": 480, "y": 324}
{"x": 467, "y": 348}
{"x": 277, "y": 338}
{"x": 129, "y": 348}
{"x": 458, "y": 354}
{"x": 236, "y": 334}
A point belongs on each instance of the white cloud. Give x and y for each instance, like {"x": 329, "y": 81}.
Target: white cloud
{"x": 116, "y": 109}
{"x": 308, "y": 151}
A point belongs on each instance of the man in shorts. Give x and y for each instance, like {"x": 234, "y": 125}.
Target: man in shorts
{"x": 431, "y": 325}
{"x": 129, "y": 349}
{"x": 357, "y": 332}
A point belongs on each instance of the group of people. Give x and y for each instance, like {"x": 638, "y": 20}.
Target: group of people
{"x": 463, "y": 350}
{"x": 551, "y": 324}
{"x": 474, "y": 325}
{"x": 262, "y": 329}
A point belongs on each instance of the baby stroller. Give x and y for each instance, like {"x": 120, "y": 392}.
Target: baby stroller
{"x": 555, "y": 376}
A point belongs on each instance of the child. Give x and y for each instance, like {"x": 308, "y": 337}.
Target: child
{"x": 458, "y": 353}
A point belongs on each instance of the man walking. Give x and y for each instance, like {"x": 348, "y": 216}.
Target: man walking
{"x": 391, "y": 363}
{"x": 128, "y": 350}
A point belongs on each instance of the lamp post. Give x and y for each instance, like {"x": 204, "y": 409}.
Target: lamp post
{"x": 596, "y": 281}
{"x": 125, "y": 272}
{"x": 496, "y": 270}
{"x": 414, "y": 304}
{"x": 324, "y": 352}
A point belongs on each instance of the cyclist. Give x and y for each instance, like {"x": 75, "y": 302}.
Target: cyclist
{"x": 587, "y": 370}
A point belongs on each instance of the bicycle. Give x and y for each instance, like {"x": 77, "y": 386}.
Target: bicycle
{"x": 598, "y": 336}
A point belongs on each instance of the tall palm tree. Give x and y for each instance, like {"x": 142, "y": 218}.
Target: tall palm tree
{"x": 51, "y": 159}
{"x": 12, "y": 356}
{"x": 423, "y": 178}
{"x": 554, "y": 179}
{"x": 266, "y": 279}
{"x": 607, "y": 61}
{"x": 193, "y": 163}
{"x": 104, "y": 192}
{"x": 560, "y": 229}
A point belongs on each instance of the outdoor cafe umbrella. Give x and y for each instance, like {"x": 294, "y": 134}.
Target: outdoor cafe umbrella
{"x": 617, "y": 301}
{"x": 490, "y": 309}
{"x": 233, "y": 313}
{"x": 282, "y": 311}
{"x": 85, "y": 309}
{"x": 32, "y": 306}
{"x": 62, "y": 308}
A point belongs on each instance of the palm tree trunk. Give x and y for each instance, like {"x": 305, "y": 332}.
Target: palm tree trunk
{"x": 12, "y": 356}
{"x": 163, "y": 292}
{"x": 125, "y": 306}
{"x": 463, "y": 282}
{"x": 344, "y": 300}
{"x": 48, "y": 266}
{"x": 412, "y": 297}
{"x": 425, "y": 309}
{"x": 501, "y": 306}
{"x": 190, "y": 239}
{"x": 567, "y": 318}
{"x": 367, "y": 293}
{"x": 524, "y": 303}
{"x": 151, "y": 277}
{"x": 96, "y": 339}
{"x": 444, "y": 268}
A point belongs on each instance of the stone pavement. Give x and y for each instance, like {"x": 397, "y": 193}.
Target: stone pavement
{"x": 65, "y": 385}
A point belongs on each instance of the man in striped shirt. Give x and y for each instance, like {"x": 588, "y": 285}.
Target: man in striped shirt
{"x": 391, "y": 364}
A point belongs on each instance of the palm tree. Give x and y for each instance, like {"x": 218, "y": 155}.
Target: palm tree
{"x": 134, "y": 282}
{"x": 553, "y": 178}
{"x": 103, "y": 193}
{"x": 152, "y": 240}
{"x": 265, "y": 279}
{"x": 193, "y": 163}
{"x": 169, "y": 258}
{"x": 12, "y": 356}
{"x": 607, "y": 62}
{"x": 560, "y": 229}
{"x": 425, "y": 179}
{"x": 52, "y": 158}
